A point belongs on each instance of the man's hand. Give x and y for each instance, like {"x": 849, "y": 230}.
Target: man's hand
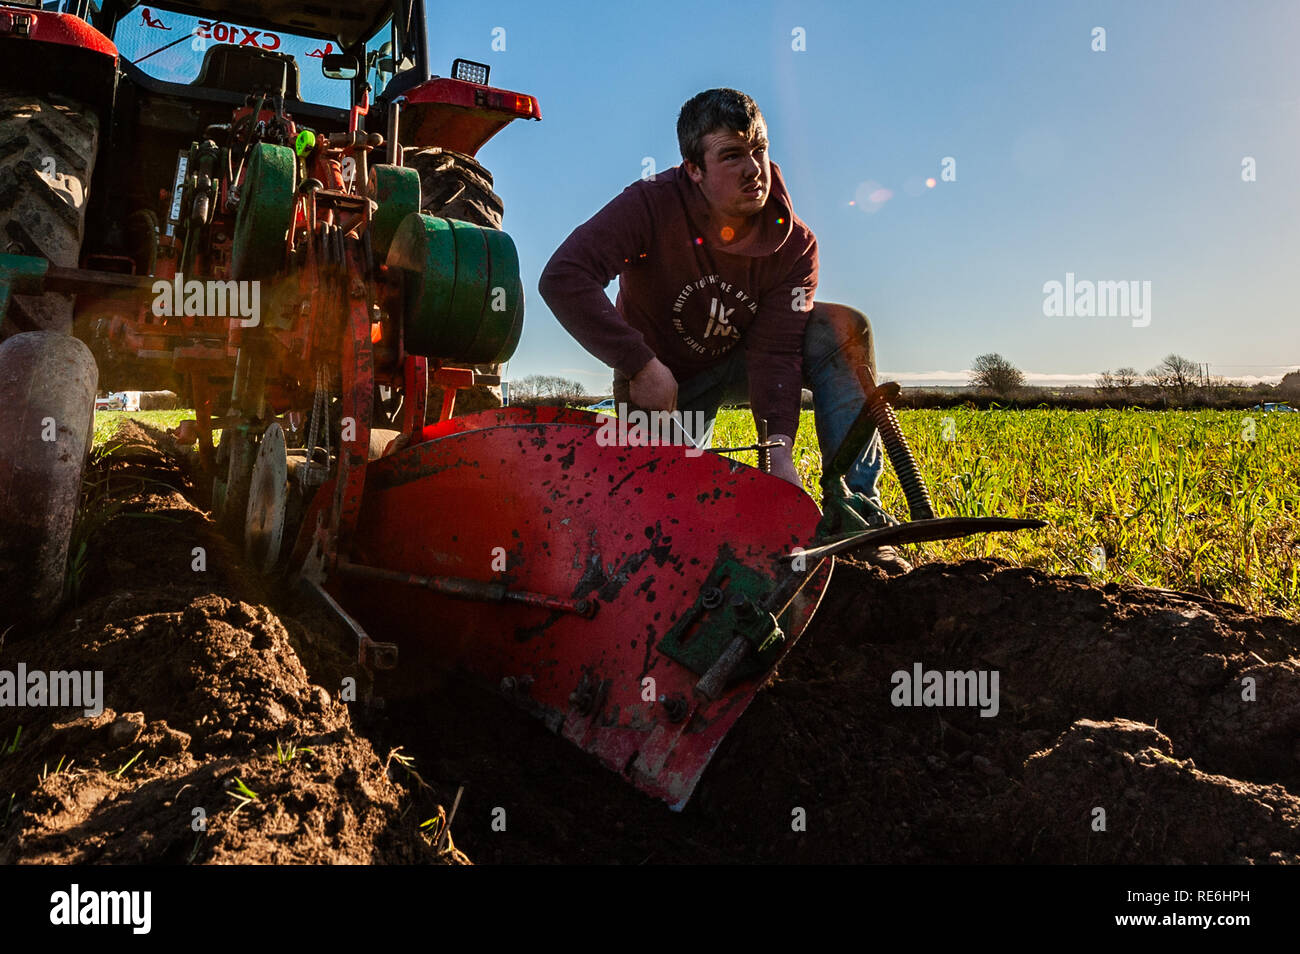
{"x": 782, "y": 459}
{"x": 654, "y": 388}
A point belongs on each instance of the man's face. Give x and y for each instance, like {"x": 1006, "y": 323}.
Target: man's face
{"x": 737, "y": 176}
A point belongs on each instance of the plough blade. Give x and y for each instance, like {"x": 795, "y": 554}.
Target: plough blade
{"x": 553, "y": 568}
{"x": 919, "y": 531}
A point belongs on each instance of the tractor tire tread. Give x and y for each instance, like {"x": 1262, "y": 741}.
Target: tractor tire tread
{"x": 40, "y": 215}
{"x": 455, "y": 186}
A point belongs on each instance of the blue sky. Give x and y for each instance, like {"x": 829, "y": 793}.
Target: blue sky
{"x": 1122, "y": 165}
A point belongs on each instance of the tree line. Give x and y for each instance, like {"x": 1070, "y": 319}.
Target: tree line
{"x": 547, "y": 389}
{"x": 1176, "y": 380}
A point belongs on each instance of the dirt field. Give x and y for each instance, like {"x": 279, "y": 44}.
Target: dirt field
{"x": 1127, "y": 701}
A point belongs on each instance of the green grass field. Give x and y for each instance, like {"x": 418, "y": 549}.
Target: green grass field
{"x": 106, "y": 422}
{"x": 1206, "y": 501}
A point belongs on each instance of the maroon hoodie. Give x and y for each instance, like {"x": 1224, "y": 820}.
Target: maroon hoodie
{"x": 684, "y": 299}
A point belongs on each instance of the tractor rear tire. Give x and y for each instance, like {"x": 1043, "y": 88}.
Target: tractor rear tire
{"x": 456, "y": 186}
{"x": 47, "y": 156}
{"x": 47, "y": 417}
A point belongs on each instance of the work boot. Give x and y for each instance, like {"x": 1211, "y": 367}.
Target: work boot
{"x": 846, "y": 514}
{"x": 886, "y": 558}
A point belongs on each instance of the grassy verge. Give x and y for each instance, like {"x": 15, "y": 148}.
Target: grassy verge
{"x": 1207, "y": 501}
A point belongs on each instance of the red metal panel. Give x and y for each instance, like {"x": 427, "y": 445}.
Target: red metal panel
{"x": 459, "y": 115}
{"x": 638, "y": 529}
{"x": 67, "y": 30}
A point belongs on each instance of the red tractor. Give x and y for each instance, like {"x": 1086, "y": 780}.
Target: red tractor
{"x": 223, "y": 148}
{"x": 276, "y": 204}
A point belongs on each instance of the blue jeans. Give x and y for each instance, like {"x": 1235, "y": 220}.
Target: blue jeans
{"x": 837, "y": 349}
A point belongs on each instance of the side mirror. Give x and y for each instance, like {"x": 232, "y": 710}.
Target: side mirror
{"x": 382, "y": 62}
{"x": 339, "y": 66}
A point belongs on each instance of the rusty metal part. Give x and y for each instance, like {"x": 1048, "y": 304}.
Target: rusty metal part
{"x": 268, "y": 499}
{"x": 588, "y": 697}
{"x": 719, "y": 675}
{"x": 740, "y": 652}
{"x": 415, "y": 397}
{"x": 732, "y": 603}
{"x": 358, "y": 404}
{"x": 676, "y": 708}
{"x": 764, "y": 452}
{"x": 464, "y": 589}
{"x": 371, "y": 654}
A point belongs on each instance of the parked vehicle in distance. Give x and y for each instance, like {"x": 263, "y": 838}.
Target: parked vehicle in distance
{"x": 1272, "y": 406}
{"x": 114, "y": 402}
{"x": 607, "y": 405}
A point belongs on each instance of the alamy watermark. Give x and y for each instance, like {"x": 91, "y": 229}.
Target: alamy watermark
{"x": 82, "y": 689}
{"x": 637, "y": 428}
{"x": 1089, "y": 299}
{"x": 77, "y": 907}
{"x": 945, "y": 689}
{"x": 208, "y": 299}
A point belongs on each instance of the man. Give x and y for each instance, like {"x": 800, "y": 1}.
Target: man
{"x": 716, "y": 281}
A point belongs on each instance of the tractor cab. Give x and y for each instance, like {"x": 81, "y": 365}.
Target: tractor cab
{"x": 156, "y": 79}
{"x": 342, "y": 54}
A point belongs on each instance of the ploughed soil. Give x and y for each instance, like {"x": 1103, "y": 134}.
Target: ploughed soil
{"x": 1132, "y": 725}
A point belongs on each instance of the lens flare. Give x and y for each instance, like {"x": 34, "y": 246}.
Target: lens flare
{"x": 871, "y": 195}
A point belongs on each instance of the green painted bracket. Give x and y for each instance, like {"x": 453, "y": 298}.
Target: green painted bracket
{"x": 840, "y": 517}
{"x": 730, "y": 604}
{"x": 266, "y": 208}
{"x": 21, "y": 275}
{"x": 396, "y": 191}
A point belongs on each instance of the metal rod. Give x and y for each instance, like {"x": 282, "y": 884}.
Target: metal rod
{"x": 918, "y": 531}
{"x": 464, "y": 589}
{"x": 369, "y": 651}
{"x": 713, "y": 682}
{"x": 747, "y": 447}
{"x": 738, "y": 652}
{"x": 394, "y": 116}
